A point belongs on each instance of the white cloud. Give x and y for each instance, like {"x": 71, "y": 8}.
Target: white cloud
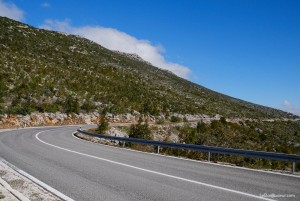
{"x": 10, "y": 10}
{"x": 45, "y": 5}
{"x": 114, "y": 39}
{"x": 287, "y": 106}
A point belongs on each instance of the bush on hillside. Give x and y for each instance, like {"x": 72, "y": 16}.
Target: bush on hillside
{"x": 140, "y": 130}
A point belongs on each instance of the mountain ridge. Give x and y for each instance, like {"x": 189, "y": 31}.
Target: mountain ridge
{"x": 48, "y": 71}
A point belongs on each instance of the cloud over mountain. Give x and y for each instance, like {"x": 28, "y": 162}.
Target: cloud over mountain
{"x": 114, "y": 39}
{"x": 289, "y": 107}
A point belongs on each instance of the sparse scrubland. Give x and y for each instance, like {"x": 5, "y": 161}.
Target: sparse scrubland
{"x": 49, "y": 73}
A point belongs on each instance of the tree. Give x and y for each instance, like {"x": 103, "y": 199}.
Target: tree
{"x": 175, "y": 119}
{"x": 103, "y": 125}
{"x": 71, "y": 105}
{"x": 188, "y": 134}
{"x": 150, "y": 107}
{"x": 140, "y": 130}
{"x": 215, "y": 124}
{"x": 201, "y": 127}
{"x": 88, "y": 106}
{"x": 223, "y": 120}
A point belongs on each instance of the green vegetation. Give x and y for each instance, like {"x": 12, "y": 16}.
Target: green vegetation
{"x": 280, "y": 136}
{"x": 2, "y": 93}
{"x": 48, "y": 71}
{"x": 175, "y": 119}
{"x": 103, "y": 125}
{"x": 1, "y": 196}
{"x": 140, "y": 130}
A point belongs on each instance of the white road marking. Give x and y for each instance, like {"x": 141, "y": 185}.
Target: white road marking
{"x": 188, "y": 159}
{"x": 154, "y": 172}
{"x": 37, "y": 181}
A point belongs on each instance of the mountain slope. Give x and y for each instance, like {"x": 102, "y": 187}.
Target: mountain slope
{"x": 50, "y": 71}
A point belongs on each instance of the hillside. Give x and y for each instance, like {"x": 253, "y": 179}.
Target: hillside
{"x": 48, "y": 71}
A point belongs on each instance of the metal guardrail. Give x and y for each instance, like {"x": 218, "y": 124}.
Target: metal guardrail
{"x": 294, "y": 158}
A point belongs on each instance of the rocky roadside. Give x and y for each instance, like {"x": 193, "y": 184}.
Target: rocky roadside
{"x": 46, "y": 119}
{"x": 16, "y": 187}
{"x": 58, "y": 118}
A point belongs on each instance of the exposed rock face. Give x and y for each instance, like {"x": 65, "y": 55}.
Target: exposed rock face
{"x": 47, "y": 119}
{"x": 165, "y": 133}
{"x": 123, "y": 118}
{"x": 58, "y": 118}
{"x": 117, "y": 133}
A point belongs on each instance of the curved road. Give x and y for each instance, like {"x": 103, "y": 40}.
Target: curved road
{"x": 88, "y": 171}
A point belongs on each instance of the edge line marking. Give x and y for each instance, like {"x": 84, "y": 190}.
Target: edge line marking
{"x": 153, "y": 172}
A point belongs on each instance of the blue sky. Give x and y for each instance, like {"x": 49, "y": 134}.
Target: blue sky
{"x": 248, "y": 49}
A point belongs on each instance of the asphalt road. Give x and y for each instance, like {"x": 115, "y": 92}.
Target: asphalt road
{"x": 86, "y": 171}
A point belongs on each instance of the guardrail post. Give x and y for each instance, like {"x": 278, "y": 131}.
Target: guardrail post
{"x": 208, "y": 156}
{"x": 158, "y": 149}
{"x": 123, "y": 144}
{"x": 293, "y": 167}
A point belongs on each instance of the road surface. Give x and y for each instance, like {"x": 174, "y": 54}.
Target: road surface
{"x": 87, "y": 171}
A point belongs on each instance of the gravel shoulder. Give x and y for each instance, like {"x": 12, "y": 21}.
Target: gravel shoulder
{"x": 14, "y": 186}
